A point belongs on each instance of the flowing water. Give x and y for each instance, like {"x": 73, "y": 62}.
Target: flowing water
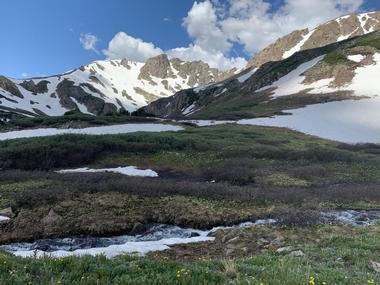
{"x": 161, "y": 237}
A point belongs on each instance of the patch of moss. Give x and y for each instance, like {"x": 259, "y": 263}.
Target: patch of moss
{"x": 284, "y": 180}
{"x": 337, "y": 57}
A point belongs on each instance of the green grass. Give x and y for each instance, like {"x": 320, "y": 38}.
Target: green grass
{"x": 337, "y": 57}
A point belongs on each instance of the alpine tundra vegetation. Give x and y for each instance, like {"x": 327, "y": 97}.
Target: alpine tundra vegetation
{"x": 246, "y": 151}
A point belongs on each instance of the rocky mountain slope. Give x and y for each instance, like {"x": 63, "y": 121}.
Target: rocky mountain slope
{"x": 105, "y": 86}
{"x": 339, "y": 71}
{"x": 333, "y": 31}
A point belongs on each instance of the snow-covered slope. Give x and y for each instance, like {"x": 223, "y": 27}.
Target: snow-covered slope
{"x": 337, "y": 30}
{"x": 105, "y": 86}
{"x": 339, "y": 71}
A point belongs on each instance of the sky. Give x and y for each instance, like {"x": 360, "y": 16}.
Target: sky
{"x": 46, "y": 37}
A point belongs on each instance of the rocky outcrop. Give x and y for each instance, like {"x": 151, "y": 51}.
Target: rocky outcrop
{"x": 40, "y": 87}
{"x": 331, "y": 32}
{"x": 276, "y": 50}
{"x": 158, "y": 66}
{"x": 9, "y": 86}
{"x": 66, "y": 90}
{"x": 106, "y": 86}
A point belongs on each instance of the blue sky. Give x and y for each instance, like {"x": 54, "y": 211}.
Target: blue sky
{"x": 41, "y": 37}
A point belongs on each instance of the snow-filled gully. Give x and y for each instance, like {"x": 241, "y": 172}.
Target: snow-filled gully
{"x": 161, "y": 237}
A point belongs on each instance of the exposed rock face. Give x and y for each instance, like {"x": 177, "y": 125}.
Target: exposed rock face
{"x": 40, "y": 87}
{"x": 8, "y": 212}
{"x": 158, "y": 66}
{"x": 9, "y": 86}
{"x": 331, "y": 32}
{"x": 276, "y": 50}
{"x": 66, "y": 91}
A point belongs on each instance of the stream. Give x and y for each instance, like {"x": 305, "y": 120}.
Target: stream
{"x": 161, "y": 237}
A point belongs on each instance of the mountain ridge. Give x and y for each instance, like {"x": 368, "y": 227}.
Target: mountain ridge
{"x": 336, "y": 30}
{"x": 106, "y": 86}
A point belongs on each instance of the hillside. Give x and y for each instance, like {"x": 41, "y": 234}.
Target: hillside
{"x": 337, "y": 30}
{"x": 104, "y": 87}
{"x": 336, "y": 72}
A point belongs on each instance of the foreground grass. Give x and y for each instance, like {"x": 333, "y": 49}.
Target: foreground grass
{"x": 333, "y": 255}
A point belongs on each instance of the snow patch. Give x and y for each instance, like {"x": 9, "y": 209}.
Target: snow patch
{"x": 292, "y": 83}
{"x": 3, "y": 219}
{"x": 103, "y": 130}
{"x": 356, "y": 58}
{"x": 298, "y": 46}
{"x": 243, "y": 78}
{"x": 350, "y": 121}
{"x": 128, "y": 170}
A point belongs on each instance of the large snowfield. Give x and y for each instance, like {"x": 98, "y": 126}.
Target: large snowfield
{"x": 104, "y": 130}
{"x": 350, "y": 121}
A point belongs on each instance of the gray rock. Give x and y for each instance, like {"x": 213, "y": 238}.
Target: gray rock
{"x": 138, "y": 228}
{"x": 296, "y": 253}
{"x": 51, "y": 218}
{"x": 285, "y": 249}
{"x": 7, "y": 212}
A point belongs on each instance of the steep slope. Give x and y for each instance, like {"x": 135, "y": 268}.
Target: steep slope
{"x": 105, "y": 86}
{"x": 339, "y": 71}
{"x": 331, "y": 32}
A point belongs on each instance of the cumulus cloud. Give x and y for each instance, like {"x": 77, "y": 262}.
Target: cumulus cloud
{"x": 215, "y": 59}
{"x": 89, "y": 42}
{"x": 125, "y": 46}
{"x": 215, "y": 27}
{"x": 253, "y": 24}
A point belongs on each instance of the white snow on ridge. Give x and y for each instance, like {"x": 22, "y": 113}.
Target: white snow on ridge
{"x": 128, "y": 170}
{"x": 351, "y": 121}
{"x": 361, "y": 85}
{"x": 298, "y": 46}
{"x": 117, "y": 80}
{"x": 243, "y": 78}
{"x": 103, "y": 130}
{"x": 292, "y": 82}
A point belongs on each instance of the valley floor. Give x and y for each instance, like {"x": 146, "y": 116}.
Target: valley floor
{"x": 207, "y": 177}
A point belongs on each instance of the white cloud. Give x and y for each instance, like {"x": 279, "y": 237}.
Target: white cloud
{"x": 125, "y": 46}
{"x": 89, "y": 42}
{"x": 25, "y": 75}
{"x": 216, "y": 26}
{"x": 252, "y": 24}
{"x": 215, "y": 59}
{"x": 201, "y": 24}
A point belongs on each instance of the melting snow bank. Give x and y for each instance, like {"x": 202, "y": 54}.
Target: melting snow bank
{"x": 129, "y": 170}
{"x": 206, "y": 123}
{"x": 350, "y": 121}
{"x": 157, "y": 238}
{"x": 3, "y": 219}
{"x": 103, "y": 130}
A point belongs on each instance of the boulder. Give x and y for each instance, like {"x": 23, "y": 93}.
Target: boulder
{"x": 296, "y": 253}
{"x": 7, "y": 212}
{"x": 51, "y": 218}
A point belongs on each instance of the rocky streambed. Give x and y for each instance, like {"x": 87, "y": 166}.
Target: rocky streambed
{"x": 162, "y": 237}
